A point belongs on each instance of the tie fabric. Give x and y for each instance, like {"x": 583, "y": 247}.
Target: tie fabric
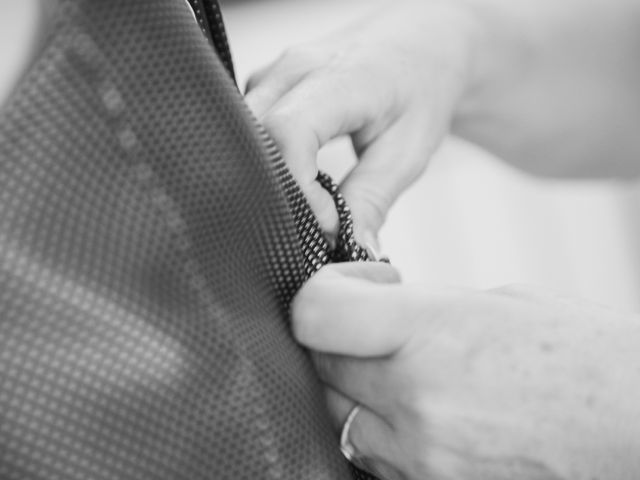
{"x": 151, "y": 239}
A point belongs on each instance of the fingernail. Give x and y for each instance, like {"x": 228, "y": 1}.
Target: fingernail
{"x": 372, "y": 246}
{"x": 371, "y": 240}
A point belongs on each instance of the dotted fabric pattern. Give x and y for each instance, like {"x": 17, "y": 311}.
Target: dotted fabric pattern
{"x": 150, "y": 241}
{"x": 209, "y": 18}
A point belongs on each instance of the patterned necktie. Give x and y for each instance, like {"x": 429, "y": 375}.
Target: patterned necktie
{"x": 151, "y": 239}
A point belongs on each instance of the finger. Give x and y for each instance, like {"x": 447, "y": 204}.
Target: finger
{"x": 267, "y": 85}
{"x": 367, "y": 381}
{"x": 324, "y": 207}
{"x": 340, "y": 406}
{"x": 387, "y": 167}
{"x": 353, "y": 315}
{"x": 324, "y": 106}
{"x": 370, "y": 435}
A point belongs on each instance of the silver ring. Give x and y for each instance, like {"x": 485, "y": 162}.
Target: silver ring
{"x": 346, "y": 447}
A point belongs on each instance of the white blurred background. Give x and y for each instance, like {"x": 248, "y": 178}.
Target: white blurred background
{"x": 470, "y": 220}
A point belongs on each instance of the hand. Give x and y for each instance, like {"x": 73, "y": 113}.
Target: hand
{"x": 502, "y": 384}
{"x": 390, "y": 82}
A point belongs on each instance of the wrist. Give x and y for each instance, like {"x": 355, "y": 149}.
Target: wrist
{"x": 499, "y": 57}
{"x": 446, "y": 34}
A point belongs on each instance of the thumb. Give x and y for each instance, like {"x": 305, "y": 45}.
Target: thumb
{"x": 387, "y": 167}
{"x": 359, "y": 310}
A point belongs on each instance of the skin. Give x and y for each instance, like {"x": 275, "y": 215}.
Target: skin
{"x": 500, "y": 384}
{"x": 457, "y": 384}
{"x": 550, "y": 90}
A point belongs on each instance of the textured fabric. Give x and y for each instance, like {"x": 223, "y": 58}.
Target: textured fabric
{"x": 150, "y": 241}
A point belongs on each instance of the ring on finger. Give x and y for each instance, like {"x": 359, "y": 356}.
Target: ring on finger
{"x": 349, "y": 450}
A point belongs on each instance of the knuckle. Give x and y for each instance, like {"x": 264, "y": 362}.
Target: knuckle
{"x": 283, "y": 120}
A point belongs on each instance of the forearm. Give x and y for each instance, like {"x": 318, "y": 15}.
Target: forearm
{"x": 554, "y": 87}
